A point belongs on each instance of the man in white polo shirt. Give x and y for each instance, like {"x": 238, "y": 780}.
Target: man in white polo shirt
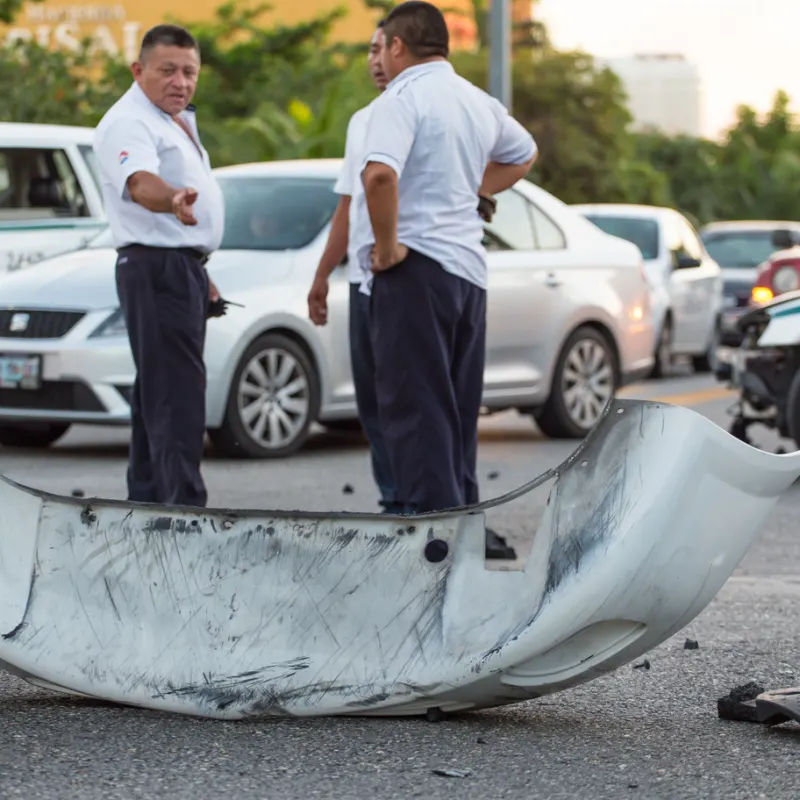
{"x": 434, "y": 141}
{"x": 166, "y": 215}
{"x": 350, "y": 228}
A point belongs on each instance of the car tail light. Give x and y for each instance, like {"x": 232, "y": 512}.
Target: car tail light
{"x": 775, "y": 277}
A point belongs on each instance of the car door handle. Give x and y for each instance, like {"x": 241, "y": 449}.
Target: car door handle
{"x": 552, "y": 281}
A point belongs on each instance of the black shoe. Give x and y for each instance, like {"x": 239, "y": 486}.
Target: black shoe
{"x": 498, "y": 548}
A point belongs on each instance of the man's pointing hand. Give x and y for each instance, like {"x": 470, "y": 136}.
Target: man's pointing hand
{"x": 182, "y": 203}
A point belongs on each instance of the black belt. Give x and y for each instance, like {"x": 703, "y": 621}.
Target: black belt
{"x": 192, "y": 252}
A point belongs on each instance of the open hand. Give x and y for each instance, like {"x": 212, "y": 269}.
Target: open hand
{"x": 182, "y": 204}
{"x": 381, "y": 263}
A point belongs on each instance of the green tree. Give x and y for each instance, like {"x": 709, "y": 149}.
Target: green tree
{"x": 577, "y": 115}
{"x": 10, "y": 8}
{"x": 759, "y": 164}
{"x": 753, "y": 172}
{"x": 689, "y": 166}
{"x": 44, "y": 86}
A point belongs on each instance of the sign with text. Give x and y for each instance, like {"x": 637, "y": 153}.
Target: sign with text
{"x": 64, "y": 26}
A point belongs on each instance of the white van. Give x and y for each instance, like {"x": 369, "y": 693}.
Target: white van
{"x": 50, "y": 201}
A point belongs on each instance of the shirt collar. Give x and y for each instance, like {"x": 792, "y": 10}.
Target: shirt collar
{"x": 419, "y": 69}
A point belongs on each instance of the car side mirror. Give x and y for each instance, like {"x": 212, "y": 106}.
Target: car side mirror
{"x": 783, "y": 239}
{"x": 687, "y": 262}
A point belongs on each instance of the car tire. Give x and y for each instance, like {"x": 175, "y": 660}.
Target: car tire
{"x": 793, "y": 409}
{"x": 555, "y": 419}
{"x": 31, "y": 436}
{"x": 708, "y": 361}
{"x": 663, "y": 352}
{"x": 248, "y": 428}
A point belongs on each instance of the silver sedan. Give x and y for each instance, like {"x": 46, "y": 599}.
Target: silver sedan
{"x": 569, "y": 322}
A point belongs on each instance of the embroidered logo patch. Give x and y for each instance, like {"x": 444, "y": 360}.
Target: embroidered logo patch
{"x": 123, "y": 156}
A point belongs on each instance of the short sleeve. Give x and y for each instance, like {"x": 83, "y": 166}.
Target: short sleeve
{"x": 344, "y": 185}
{"x": 391, "y": 132}
{"x": 123, "y": 148}
{"x": 514, "y": 144}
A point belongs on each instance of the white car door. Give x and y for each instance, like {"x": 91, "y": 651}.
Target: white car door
{"x": 524, "y": 249}
{"x": 698, "y": 286}
{"x": 680, "y": 285}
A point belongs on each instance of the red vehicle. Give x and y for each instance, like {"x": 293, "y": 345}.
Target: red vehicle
{"x": 779, "y": 273}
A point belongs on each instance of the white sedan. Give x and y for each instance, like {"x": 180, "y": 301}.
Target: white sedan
{"x": 568, "y": 322}
{"x": 685, "y": 280}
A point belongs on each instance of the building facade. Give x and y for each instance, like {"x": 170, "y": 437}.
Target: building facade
{"x": 664, "y": 91}
{"x": 117, "y": 26}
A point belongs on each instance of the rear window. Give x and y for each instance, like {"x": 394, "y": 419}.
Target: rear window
{"x": 641, "y": 231}
{"x": 275, "y": 212}
{"x": 38, "y": 184}
{"x": 739, "y": 249}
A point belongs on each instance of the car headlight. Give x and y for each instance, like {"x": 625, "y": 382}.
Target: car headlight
{"x": 786, "y": 279}
{"x": 112, "y": 326}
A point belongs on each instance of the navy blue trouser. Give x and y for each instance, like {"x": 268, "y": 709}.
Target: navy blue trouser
{"x": 164, "y": 295}
{"x": 363, "y": 367}
{"x": 429, "y": 339}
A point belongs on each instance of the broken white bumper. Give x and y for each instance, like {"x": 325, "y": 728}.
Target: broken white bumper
{"x": 233, "y": 614}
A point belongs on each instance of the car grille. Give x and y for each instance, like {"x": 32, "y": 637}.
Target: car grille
{"x": 53, "y": 396}
{"x": 23, "y": 323}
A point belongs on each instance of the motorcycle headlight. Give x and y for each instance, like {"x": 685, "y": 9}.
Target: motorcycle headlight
{"x": 786, "y": 279}
{"x": 114, "y": 325}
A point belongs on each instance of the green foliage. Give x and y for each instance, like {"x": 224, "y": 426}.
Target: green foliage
{"x": 752, "y": 173}
{"x": 577, "y": 115}
{"x": 271, "y": 91}
{"x": 10, "y": 8}
{"x": 42, "y": 86}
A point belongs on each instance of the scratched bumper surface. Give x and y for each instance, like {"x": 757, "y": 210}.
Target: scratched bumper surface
{"x": 229, "y": 614}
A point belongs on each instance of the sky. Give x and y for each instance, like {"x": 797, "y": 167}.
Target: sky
{"x": 745, "y": 50}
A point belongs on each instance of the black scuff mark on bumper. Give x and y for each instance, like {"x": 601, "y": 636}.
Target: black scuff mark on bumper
{"x": 15, "y": 632}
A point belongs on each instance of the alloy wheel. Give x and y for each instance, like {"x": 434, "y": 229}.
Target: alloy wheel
{"x": 587, "y": 382}
{"x": 273, "y": 398}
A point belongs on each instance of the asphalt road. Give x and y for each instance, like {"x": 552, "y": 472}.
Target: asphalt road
{"x": 637, "y": 733}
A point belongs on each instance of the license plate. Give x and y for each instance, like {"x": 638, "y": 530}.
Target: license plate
{"x": 20, "y": 372}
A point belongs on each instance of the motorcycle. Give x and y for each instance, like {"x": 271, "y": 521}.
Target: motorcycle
{"x": 765, "y": 369}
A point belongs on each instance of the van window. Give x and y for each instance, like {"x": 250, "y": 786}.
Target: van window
{"x": 87, "y": 151}
{"x": 38, "y": 184}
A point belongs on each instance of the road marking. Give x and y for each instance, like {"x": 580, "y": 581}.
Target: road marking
{"x": 696, "y": 398}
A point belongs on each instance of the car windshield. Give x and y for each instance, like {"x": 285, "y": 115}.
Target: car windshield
{"x": 641, "y": 231}
{"x": 268, "y": 213}
{"x": 739, "y": 249}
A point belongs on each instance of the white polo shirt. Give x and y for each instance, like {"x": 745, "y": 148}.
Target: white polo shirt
{"x": 136, "y": 135}
{"x": 438, "y": 132}
{"x": 349, "y": 183}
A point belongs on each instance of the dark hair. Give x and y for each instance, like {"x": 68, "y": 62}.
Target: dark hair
{"x": 170, "y": 35}
{"x": 420, "y": 26}
{"x": 381, "y": 23}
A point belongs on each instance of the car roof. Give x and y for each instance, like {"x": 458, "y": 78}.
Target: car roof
{"x": 318, "y": 167}
{"x": 750, "y": 224}
{"x": 628, "y": 209}
{"x": 38, "y": 133}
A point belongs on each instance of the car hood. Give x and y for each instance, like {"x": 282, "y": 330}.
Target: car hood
{"x": 85, "y": 279}
{"x": 738, "y": 281}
